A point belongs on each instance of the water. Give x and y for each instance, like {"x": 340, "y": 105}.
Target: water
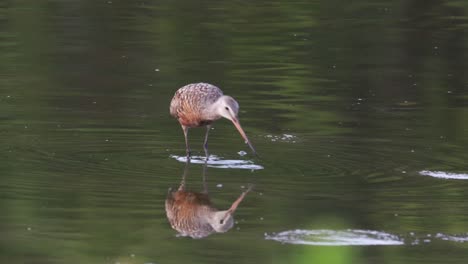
{"x": 346, "y": 104}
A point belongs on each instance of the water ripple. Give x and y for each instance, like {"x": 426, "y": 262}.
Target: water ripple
{"x": 217, "y": 162}
{"x": 453, "y": 238}
{"x": 356, "y": 237}
{"x": 445, "y": 175}
{"x": 349, "y": 237}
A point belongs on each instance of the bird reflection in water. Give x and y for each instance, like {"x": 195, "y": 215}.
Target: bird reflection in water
{"x": 192, "y": 213}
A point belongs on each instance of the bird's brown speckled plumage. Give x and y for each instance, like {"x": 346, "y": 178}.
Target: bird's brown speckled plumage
{"x": 188, "y": 213}
{"x": 190, "y": 103}
{"x": 200, "y": 104}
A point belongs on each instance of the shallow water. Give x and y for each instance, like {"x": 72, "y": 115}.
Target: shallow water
{"x": 347, "y": 106}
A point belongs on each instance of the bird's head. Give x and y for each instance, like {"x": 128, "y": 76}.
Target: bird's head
{"x": 222, "y": 221}
{"x": 228, "y": 108}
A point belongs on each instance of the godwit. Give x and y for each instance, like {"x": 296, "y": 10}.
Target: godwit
{"x": 200, "y": 104}
{"x": 192, "y": 213}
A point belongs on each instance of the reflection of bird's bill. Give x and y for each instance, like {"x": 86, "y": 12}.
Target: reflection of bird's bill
{"x": 236, "y": 123}
{"x": 236, "y": 203}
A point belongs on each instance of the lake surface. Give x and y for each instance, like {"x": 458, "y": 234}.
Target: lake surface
{"x": 358, "y": 110}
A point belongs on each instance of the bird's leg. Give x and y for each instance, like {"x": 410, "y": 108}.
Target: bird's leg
{"x": 187, "y": 148}
{"x": 184, "y": 176}
{"x": 205, "y": 186}
{"x": 205, "y": 144}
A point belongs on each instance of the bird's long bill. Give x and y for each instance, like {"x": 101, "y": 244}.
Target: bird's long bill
{"x": 236, "y": 203}
{"x": 236, "y": 123}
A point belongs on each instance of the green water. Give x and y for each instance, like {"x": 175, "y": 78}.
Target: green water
{"x": 346, "y": 103}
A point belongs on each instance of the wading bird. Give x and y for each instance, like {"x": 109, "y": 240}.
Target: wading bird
{"x": 200, "y": 104}
{"x": 192, "y": 213}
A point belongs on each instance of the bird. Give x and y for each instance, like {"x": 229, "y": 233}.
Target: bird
{"x": 192, "y": 214}
{"x": 200, "y": 104}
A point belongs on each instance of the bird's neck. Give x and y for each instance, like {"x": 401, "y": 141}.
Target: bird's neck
{"x": 212, "y": 112}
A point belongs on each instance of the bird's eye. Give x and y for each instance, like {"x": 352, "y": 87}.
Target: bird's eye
{"x": 227, "y": 108}
{"x": 221, "y": 221}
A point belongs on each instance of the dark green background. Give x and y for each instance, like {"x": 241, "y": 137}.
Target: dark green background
{"x": 373, "y": 91}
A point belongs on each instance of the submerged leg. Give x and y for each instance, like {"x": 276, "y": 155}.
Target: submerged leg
{"x": 205, "y": 144}
{"x": 184, "y": 176}
{"x": 187, "y": 148}
{"x": 205, "y": 186}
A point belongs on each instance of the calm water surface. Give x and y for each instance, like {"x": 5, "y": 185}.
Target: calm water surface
{"x": 359, "y": 112}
